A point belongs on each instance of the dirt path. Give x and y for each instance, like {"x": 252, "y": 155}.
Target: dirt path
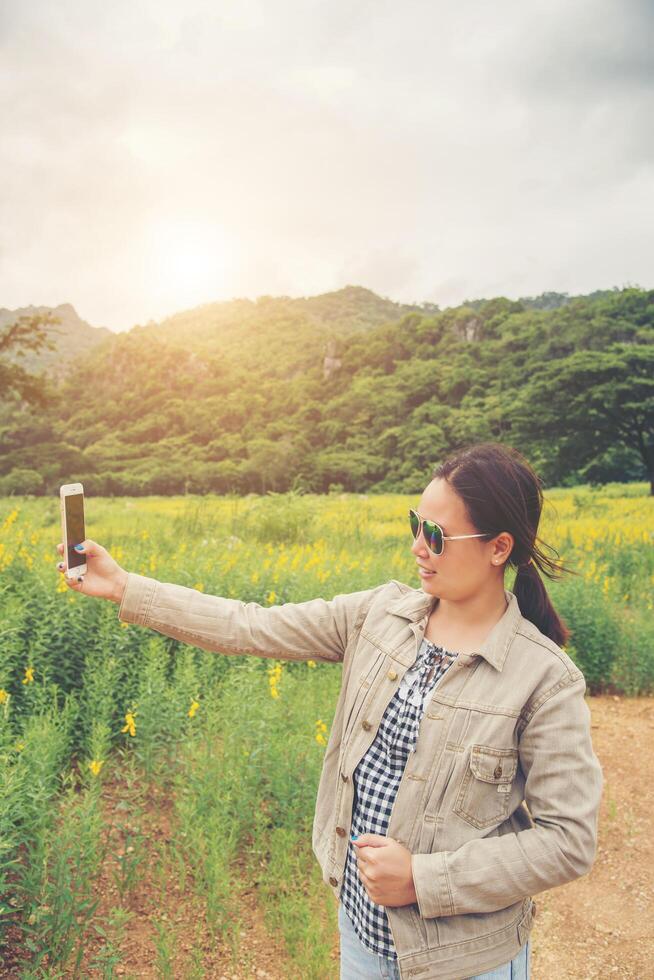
{"x": 602, "y": 925}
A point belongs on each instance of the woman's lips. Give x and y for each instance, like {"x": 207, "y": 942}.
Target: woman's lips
{"x": 423, "y": 573}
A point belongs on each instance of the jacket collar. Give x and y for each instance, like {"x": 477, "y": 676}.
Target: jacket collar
{"x": 416, "y": 606}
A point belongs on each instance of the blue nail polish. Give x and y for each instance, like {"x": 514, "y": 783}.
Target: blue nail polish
{"x": 79, "y": 547}
{"x": 354, "y": 837}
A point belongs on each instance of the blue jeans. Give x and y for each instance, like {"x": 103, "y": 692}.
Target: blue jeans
{"x": 359, "y": 963}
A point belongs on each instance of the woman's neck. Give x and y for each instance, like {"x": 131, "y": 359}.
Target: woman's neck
{"x": 463, "y": 625}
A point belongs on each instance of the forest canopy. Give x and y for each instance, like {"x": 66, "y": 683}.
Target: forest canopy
{"x": 342, "y": 391}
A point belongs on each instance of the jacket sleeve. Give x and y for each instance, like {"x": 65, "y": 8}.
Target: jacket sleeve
{"x": 563, "y": 792}
{"x": 313, "y": 630}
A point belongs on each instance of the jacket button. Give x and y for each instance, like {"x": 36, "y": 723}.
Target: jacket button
{"x": 333, "y": 881}
{"x": 392, "y": 675}
{"x": 340, "y": 831}
{"x": 344, "y": 777}
{"x": 498, "y": 772}
{"x": 366, "y": 725}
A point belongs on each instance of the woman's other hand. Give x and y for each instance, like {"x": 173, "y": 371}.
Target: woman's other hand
{"x": 103, "y": 578}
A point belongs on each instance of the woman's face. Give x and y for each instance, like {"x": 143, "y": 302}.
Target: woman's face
{"x": 465, "y": 566}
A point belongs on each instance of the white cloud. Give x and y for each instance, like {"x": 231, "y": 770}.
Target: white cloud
{"x": 424, "y": 150}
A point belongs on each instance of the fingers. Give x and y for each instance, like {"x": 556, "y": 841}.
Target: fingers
{"x": 72, "y": 580}
{"x": 87, "y": 547}
{"x": 92, "y": 549}
{"x": 75, "y": 582}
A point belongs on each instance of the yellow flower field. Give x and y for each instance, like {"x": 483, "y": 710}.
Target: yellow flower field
{"x": 236, "y": 743}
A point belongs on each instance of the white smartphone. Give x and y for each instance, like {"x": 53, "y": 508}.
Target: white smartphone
{"x": 72, "y": 527}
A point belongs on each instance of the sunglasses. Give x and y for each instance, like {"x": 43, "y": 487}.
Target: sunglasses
{"x": 433, "y": 533}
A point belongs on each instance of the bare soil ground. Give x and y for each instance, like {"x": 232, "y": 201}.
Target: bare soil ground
{"x": 195, "y": 952}
{"x": 602, "y": 925}
{"x": 599, "y": 926}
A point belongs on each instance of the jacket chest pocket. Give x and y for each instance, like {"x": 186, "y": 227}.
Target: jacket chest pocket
{"x": 485, "y": 791}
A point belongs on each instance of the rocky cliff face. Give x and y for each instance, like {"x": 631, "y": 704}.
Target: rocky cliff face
{"x": 330, "y": 362}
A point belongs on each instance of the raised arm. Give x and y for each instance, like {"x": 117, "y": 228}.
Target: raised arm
{"x": 315, "y": 630}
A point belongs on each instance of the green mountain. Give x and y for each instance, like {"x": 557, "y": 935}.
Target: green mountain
{"x": 72, "y": 336}
{"x": 346, "y": 390}
{"x": 280, "y": 336}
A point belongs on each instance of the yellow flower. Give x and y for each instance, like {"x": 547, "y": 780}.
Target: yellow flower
{"x": 29, "y": 675}
{"x": 3, "y": 695}
{"x": 194, "y": 707}
{"x": 274, "y": 676}
{"x": 9, "y": 520}
{"x": 95, "y": 765}
{"x": 271, "y": 597}
{"x": 322, "y": 727}
{"x": 19, "y": 746}
{"x": 130, "y": 724}
{"x": 311, "y": 663}
{"x": 199, "y": 587}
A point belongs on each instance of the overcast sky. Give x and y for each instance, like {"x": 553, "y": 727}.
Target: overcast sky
{"x": 155, "y": 155}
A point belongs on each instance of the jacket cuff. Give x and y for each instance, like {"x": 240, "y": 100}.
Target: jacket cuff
{"x": 137, "y": 599}
{"x": 431, "y": 885}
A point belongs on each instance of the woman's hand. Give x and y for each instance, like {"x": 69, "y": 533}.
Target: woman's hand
{"x": 103, "y": 578}
{"x": 385, "y": 870}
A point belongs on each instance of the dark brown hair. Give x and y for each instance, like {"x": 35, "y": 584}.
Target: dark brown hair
{"x": 502, "y": 492}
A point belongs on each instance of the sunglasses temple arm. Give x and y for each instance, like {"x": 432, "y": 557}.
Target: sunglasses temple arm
{"x": 458, "y": 537}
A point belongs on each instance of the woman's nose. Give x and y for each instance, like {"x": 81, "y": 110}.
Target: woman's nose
{"x": 418, "y": 547}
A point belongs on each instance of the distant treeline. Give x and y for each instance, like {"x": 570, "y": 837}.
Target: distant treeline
{"x": 280, "y": 395}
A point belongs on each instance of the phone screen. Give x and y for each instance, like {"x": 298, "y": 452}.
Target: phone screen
{"x": 75, "y": 533}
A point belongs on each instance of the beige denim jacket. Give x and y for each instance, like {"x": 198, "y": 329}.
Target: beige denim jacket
{"x": 499, "y": 801}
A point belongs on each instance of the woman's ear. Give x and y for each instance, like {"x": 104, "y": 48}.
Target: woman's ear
{"x": 502, "y": 548}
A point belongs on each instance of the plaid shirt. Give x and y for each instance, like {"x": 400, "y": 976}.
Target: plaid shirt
{"x": 376, "y": 780}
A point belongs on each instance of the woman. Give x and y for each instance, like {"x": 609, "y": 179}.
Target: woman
{"x": 459, "y": 778}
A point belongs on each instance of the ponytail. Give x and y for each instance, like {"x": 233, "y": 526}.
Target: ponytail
{"x": 535, "y": 604}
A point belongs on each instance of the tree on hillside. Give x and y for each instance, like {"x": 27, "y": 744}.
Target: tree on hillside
{"x": 590, "y": 402}
{"x": 28, "y": 333}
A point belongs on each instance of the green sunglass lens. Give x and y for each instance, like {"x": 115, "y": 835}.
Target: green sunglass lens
{"x": 432, "y": 532}
{"x": 433, "y": 537}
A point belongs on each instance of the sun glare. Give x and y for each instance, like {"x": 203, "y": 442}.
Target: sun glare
{"x": 186, "y": 264}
